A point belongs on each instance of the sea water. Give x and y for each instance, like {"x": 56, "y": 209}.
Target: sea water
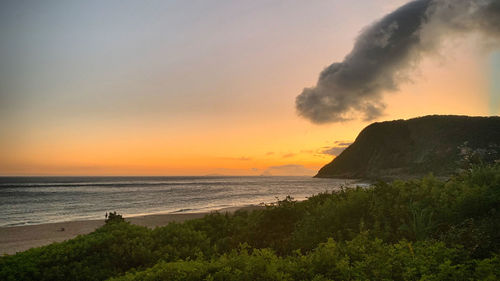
{"x": 36, "y": 200}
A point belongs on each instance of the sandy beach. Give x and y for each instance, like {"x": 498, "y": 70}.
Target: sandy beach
{"x": 21, "y": 238}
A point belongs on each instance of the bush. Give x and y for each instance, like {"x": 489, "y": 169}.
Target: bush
{"x": 113, "y": 217}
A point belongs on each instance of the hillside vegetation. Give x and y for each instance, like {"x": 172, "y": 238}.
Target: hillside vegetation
{"x": 424, "y": 229}
{"x": 415, "y": 147}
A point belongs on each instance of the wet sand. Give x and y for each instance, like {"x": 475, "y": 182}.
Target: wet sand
{"x": 20, "y": 238}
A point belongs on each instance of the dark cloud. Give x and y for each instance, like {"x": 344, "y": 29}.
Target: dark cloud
{"x": 385, "y": 51}
{"x": 343, "y": 143}
{"x": 336, "y": 149}
{"x": 288, "y": 155}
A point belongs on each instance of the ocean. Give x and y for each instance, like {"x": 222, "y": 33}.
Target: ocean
{"x": 37, "y": 200}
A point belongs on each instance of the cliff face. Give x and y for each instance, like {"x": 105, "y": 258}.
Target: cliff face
{"x": 415, "y": 147}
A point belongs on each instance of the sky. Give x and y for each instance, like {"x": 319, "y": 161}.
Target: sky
{"x": 200, "y": 87}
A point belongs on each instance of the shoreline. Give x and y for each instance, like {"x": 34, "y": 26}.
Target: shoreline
{"x": 15, "y": 239}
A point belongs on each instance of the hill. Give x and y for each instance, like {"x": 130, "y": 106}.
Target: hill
{"x": 410, "y": 148}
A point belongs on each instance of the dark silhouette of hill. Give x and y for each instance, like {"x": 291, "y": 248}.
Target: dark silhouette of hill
{"x": 438, "y": 144}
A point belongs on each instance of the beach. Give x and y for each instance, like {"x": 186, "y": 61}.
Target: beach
{"x": 21, "y": 238}
{"x": 37, "y": 211}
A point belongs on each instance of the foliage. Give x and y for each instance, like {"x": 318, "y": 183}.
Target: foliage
{"x": 424, "y": 229}
{"x": 359, "y": 259}
{"x": 113, "y": 217}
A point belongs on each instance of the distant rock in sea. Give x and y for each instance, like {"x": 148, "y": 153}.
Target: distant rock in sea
{"x": 438, "y": 144}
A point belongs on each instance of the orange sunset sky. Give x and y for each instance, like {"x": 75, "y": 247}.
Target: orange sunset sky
{"x": 197, "y": 87}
